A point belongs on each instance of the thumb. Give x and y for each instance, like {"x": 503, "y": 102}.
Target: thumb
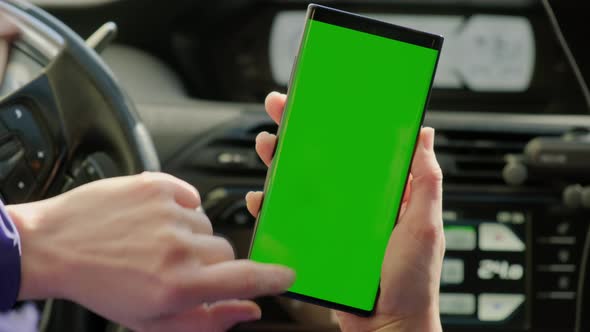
{"x": 424, "y": 211}
{"x": 224, "y": 315}
{"x": 217, "y": 317}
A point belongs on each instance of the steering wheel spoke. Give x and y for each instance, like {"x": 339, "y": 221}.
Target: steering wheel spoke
{"x": 73, "y": 109}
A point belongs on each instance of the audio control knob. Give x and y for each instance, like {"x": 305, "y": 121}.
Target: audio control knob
{"x": 585, "y": 197}
{"x": 572, "y": 196}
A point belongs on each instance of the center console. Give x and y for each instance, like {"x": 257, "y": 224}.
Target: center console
{"x": 513, "y": 252}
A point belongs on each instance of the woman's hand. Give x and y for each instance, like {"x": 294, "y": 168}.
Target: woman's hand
{"x": 413, "y": 261}
{"x": 137, "y": 251}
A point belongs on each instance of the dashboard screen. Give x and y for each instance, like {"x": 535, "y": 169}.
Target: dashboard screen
{"x": 483, "y": 53}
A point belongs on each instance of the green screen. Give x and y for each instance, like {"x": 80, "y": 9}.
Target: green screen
{"x": 346, "y": 141}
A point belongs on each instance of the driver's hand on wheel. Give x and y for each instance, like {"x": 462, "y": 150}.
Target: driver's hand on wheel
{"x": 136, "y": 250}
{"x": 413, "y": 261}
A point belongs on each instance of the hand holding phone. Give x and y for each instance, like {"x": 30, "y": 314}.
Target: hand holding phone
{"x": 348, "y": 133}
{"x": 411, "y": 269}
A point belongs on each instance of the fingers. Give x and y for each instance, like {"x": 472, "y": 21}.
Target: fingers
{"x": 275, "y": 105}
{"x": 8, "y": 30}
{"x": 218, "y": 249}
{"x": 184, "y": 194}
{"x": 242, "y": 279}
{"x": 426, "y": 173}
{"x": 253, "y": 202}
{"x": 265, "y": 146}
{"x": 196, "y": 221}
{"x": 425, "y": 203}
{"x": 226, "y": 314}
{"x": 220, "y": 316}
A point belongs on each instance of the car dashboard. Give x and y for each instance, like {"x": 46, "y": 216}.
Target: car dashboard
{"x": 516, "y": 232}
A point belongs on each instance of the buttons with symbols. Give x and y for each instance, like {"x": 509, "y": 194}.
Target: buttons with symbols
{"x": 564, "y": 282}
{"x": 20, "y": 121}
{"x": 453, "y": 271}
{"x": 563, "y": 256}
{"x": 460, "y": 238}
{"x": 19, "y": 185}
{"x": 499, "y": 237}
{"x": 563, "y": 228}
{"x": 457, "y": 304}
{"x": 498, "y": 307}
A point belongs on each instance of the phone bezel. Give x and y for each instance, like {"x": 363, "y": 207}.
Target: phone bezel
{"x": 371, "y": 26}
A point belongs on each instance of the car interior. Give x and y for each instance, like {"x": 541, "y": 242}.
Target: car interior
{"x": 102, "y": 88}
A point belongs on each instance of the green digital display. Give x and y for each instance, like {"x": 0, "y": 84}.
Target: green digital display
{"x": 354, "y": 110}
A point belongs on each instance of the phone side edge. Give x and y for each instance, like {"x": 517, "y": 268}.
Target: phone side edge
{"x": 267, "y": 182}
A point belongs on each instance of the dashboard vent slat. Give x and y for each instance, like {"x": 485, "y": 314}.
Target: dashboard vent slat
{"x": 477, "y": 157}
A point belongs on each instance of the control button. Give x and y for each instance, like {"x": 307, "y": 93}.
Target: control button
{"x": 9, "y": 147}
{"x": 564, "y": 282}
{"x": 556, "y": 281}
{"x": 498, "y": 307}
{"x": 518, "y": 218}
{"x": 21, "y": 121}
{"x": 563, "y": 228}
{"x": 88, "y": 171}
{"x": 507, "y": 217}
{"x": 460, "y": 238}
{"x": 504, "y": 216}
{"x": 238, "y": 215}
{"x": 3, "y": 130}
{"x": 498, "y": 237}
{"x": 11, "y": 154}
{"x": 68, "y": 184}
{"x": 449, "y": 215}
{"x": 563, "y": 256}
{"x": 18, "y": 118}
{"x": 457, "y": 304}
{"x": 38, "y": 159}
{"x": 242, "y": 217}
{"x": 453, "y": 271}
{"x": 226, "y": 158}
{"x": 19, "y": 185}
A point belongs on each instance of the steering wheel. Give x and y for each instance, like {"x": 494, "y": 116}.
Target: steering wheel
{"x": 71, "y": 123}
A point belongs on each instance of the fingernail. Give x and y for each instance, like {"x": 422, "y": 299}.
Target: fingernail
{"x": 251, "y": 315}
{"x": 427, "y": 139}
{"x": 284, "y": 276}
{"x": 261, "y": 135}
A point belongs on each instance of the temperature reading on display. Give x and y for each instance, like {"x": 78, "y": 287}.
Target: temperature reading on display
{"x": 502, "y": 269}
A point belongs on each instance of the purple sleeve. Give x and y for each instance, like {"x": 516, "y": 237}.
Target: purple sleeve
{"x": 10, "y": 252}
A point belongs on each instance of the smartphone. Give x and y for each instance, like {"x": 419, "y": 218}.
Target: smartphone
{"x": 355, "y": 106}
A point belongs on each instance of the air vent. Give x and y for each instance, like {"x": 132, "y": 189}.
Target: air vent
{"x": 268, "y": 127}
{"x": 243, "y": 138}
{"x": 477, "y": 157}
{"x": 231, "y": 150}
